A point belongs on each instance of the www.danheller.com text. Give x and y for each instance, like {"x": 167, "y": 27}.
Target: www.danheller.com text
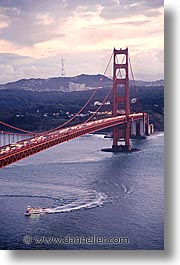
{"x": 28, "y": 240}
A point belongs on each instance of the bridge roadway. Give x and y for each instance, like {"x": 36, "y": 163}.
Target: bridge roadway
{"x": 14, "y": 152}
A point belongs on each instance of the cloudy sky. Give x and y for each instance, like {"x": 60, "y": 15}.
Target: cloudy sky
{"x": 35, "y": 35}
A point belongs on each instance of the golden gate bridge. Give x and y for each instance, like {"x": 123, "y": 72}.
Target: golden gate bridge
{"x": 22, "y": 143}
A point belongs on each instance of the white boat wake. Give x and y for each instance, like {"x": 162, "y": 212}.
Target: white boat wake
{"x": 97, "y": 200}
{"x": 54, "y": 198}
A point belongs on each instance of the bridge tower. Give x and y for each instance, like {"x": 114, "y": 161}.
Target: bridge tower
{"x": 123, "y": 99}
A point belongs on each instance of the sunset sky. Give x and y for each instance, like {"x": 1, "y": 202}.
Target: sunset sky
{"x": 35, "y": 35}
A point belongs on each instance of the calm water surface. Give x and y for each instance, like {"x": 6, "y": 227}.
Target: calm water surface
{"x": 92, "y": 193}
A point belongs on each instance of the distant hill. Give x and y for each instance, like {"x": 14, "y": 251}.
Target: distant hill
{"x": 58, "y": 83}
{"x": 63, "y": 83}
{"x": 140, "y": 83}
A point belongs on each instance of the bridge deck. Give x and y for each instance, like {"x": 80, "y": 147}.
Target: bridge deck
{"x": 22, "y": 149}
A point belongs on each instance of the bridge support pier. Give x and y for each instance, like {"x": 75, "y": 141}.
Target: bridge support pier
{"x": 133, "y": 129}
{"x": 142, "y": 127}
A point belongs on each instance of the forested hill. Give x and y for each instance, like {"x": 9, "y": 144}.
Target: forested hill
{"x": 36, "y": 111}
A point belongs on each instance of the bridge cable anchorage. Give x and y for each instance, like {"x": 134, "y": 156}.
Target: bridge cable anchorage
{"x": 135, "y": 88}
{"x": 65, "y": 123}
{"x": 105, "y": 99}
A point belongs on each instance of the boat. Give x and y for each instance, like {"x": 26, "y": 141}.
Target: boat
{"x": 35, "y": 210}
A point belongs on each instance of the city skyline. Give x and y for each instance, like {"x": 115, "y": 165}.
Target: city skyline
{"x": 35, "y": 36}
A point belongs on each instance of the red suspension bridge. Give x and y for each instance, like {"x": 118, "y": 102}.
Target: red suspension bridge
{"x": 19, "y": 145}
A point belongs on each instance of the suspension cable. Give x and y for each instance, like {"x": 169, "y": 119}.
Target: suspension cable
{"x": 17, "y": 129}
{"x": 135, "y": 88}
{"x": 106, "y": 97}
{"x": 11, "y": 133}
